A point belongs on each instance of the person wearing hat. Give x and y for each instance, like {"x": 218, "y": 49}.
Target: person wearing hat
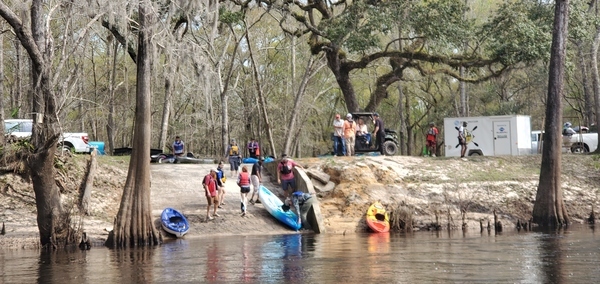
{"x": 349, "y": 134}
{"x": 431, "y": 139}
{"x": 210, "y": 191}
{"x": 379, "y": 132}
{"x": 568, "y": 129}
{"x": 256, "y": 179}
{"x": 302, "y": 202}
{"x": 339, "y": 144}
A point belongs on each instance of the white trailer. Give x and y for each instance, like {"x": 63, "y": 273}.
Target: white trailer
{"x": 506, "y": 135}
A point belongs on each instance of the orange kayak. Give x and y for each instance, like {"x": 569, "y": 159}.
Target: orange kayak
{"x": 377, "y": 218}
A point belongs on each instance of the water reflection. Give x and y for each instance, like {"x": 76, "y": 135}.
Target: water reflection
{"x": 511, "y": 257}
{"x": 52, "y": 265}
{"x": 551, "y": 258}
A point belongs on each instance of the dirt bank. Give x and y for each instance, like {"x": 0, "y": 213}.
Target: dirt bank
{"x": 430, "y": 187}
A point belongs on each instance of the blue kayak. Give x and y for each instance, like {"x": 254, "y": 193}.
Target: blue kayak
{"x": 273, "y": 204}
{"x": 249, "y": 160}
{"x": 174, "y": 222}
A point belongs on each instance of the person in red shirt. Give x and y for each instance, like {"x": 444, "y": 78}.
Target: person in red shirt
{"x": 431, "y": 139}
{"x": 285, "y": 175}
{"x": 210, "y": 191}
{"x": 244, "y": 182}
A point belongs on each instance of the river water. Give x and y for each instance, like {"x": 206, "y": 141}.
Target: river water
{"x": 566, "y": 256}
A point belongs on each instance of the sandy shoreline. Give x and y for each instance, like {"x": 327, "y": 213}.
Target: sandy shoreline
{"x": 428, "y": 186}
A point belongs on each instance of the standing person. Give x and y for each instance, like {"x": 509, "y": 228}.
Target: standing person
{"x": 302, "y": 202}
{"x": 379, "y": 132}
{"x": 462, "y": 139}
{"x": 253, "y": 149}
{"x": 349, "y": 134}
{"x": 339, "y": 147}
{"x": 210, "y": 191}
{"x": 285, "y": 174}
{"x": 243, "y": 182}
{"x": 235, "y": 158}
{"x": 256, "y": 179}
{"x": 431, "y": 139}
{"x": 220, "y": 185}
{"x": 178, "y": 147}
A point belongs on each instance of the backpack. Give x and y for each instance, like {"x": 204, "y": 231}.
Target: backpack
{"x": 234, "y": 150}
{"x": 285, "y": 169}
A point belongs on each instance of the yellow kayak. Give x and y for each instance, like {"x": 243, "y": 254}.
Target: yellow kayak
{"x": 378, "y": 218}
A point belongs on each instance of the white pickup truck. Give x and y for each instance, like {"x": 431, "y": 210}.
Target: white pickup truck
{"x": 576, "y": 143}
{"x": 17, "y": 129}
{"x": 581, "y": 142}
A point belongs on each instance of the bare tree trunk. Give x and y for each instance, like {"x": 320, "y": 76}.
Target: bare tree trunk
{"x": 588, "y": 111}
{"x": 402, "y": 132}
{"x": 134, "y": 224}
{"x": 310, "y": 70}
{"x": 464, "y": 109}
{"x": 407, "y": 113}
{"x": 596, "y": 79}
{"x": 111, "y": 127}
{"x": 164, "y": 126}
{"x": 50, "y": 217}
{"x": 2, "y": 96}
{"x": 549, "y": 209}
{"x": 263, "y": 103}
{"x": 342, "y": 76}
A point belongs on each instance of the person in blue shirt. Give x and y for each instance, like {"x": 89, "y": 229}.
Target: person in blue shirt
{"x": 220, "y": 185}
{"x": 178, "y": 147}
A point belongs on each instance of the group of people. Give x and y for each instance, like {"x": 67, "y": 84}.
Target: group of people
{"x": 347, "y": 131}
{"x": 214, "y": 188}
{"x": 250, "y": 182}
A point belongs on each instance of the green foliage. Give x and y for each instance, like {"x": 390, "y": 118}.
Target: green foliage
{"x": 230, "y": 17}
{"x": 581, "y": 23}
{"x": 23, "y": 145}
{"x": 360, "y": 26}
{"x": 521, "y": 32}
{"x": 442, "y": 21}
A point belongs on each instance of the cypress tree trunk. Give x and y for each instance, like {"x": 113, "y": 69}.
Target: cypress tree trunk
{"x": 134, "y": 225}
{"x": 549, "y": 209}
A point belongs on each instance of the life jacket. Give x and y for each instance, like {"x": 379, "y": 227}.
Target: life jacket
{"x": 244, "y": 179}
{"x": 234, "y": 150}
{"x": 431, "y": 131}
{"x": 285, "y": 169}
{"x": 178, "y": 147}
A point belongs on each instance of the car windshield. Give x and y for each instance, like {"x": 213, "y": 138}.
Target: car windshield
{"x": 18, "y": 126}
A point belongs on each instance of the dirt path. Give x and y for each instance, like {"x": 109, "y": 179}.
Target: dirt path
{"x": 180, "y": 186}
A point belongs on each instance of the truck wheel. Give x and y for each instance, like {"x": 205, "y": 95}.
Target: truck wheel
{"x": 390, "y": 148}
{"x": 579, "y": 148}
